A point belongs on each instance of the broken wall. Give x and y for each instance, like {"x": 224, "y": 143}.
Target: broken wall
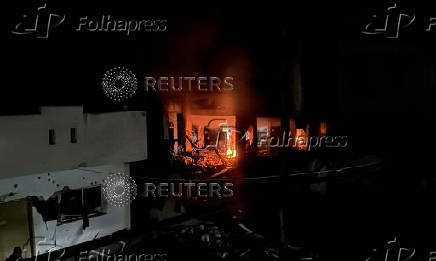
{"x": 48, "y": 234}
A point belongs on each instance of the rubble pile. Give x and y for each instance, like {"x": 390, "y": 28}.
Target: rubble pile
{"x": 223, "y": 243}
{"x": 206, "y": 161}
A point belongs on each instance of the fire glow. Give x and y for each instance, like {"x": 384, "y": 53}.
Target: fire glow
{"x": 301, "y": 137}
{"x": 231, "y": 153}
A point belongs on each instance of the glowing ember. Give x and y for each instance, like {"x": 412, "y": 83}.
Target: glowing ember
{"x": 301, "y": 139}
{"x": 322, "y": 129}
{"x": 231, "y": 153}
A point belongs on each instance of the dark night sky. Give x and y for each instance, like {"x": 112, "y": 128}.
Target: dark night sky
{"x": 337, "y": 60}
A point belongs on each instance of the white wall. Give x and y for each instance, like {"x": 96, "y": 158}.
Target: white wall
{"x": 29, "y": 166}
{"x": 68, "y": 234}
{"x": 105, "y": 138}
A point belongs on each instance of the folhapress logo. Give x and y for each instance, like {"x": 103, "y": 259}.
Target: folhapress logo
{"x": 41, "y": 22}
{"x": 390, "y": 24}
{"x": 38, "y": 24}
{"x": 106, "y": 23}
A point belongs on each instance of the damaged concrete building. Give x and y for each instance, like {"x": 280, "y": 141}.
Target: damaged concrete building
{"x": 53, "y": 166}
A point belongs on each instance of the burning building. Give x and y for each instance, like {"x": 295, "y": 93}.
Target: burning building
{"x": 257, "y": 138}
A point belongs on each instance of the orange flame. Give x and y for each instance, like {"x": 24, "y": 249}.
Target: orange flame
{"x": 231, "y": 153}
